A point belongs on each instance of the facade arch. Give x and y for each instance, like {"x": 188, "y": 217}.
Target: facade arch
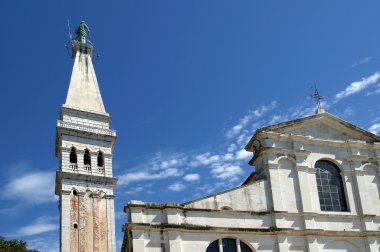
{"x": 331, "y": 160}
{"x": 342, "y": 245}
{"x": 289, "y": 158}
{"x": 331, "y": 190}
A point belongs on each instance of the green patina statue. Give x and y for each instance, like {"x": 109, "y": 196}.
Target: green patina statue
{"x": 81, "y": 32}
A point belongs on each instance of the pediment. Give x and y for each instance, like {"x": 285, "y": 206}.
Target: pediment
{"x": 319, "y": 126}
{"x": 324, "y": 126}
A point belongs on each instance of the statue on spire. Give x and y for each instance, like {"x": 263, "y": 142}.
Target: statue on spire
{"x": 81, "y": 32}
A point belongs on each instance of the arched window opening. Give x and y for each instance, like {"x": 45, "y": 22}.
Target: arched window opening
{"x": 87, "y": 160}
{"x": 213, "y": 247}
{"x": 100, "y": 159}
{"x": 73, "y": 159}
{"x": 73, "y": 155}
{"x": 100, "y": 162}
{"x": 330, "y": 187}
{"x": 228, "y": 245}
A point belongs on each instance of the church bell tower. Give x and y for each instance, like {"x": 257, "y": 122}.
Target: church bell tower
{"x": 84, "y": 147}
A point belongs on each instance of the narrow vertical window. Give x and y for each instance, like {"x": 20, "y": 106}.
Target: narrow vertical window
{"x": 87, "y": 160}
{"x": 73, "y": 156}
{"x": 100, "y": 159}
{"x": 73, "y": 159}
{"x": 330, "y": 187}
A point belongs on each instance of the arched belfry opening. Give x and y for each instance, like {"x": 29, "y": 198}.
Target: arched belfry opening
{"x": 100, "y": 159}
{"x": 87, "y": 160}
{"x": 100, "y": 162}
{"x": 73, "y": 158}
{"x": 73, "y": 155}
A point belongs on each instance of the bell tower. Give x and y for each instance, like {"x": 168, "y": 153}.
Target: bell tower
{"x": 84, "y": 147}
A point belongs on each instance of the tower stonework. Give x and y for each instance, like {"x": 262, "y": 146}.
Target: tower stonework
{"x": 84, "y": 147}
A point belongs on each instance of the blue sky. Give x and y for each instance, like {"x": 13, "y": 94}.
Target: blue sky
{"x": 186, "y": 82}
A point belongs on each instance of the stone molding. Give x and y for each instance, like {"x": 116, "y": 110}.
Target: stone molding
{"x": 271, "y": 231}
{"x": 92, "y": 194}
{"x": 84, "y": 128}
{"x": 84, "y": 177}
{"x": 320, "y": 141}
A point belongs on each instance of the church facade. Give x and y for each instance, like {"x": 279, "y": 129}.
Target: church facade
{"x": 315, "y": 188}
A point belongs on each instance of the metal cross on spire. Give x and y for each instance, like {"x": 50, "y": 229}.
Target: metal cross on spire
{"x": 317, "y": 97}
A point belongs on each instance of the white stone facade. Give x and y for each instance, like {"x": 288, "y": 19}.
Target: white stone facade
{"x": 84, "y": 180}
{"x": 279, "y": 207}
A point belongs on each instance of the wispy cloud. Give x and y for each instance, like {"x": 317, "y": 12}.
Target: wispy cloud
{"x": 374, "y": 128}
{"x": 374, "y": 92}
{"x": 252, "y": 114}
{"x": 32, "y": 187}
{"x": 176, "y": 187}
{"x": 146, "y": 175}
{"x": 40, "y": 225}
{"x": 357, "y": 86}
{"x": 192, "y": 177}
{"x": 226, "y": 171}
{"x": 361, "y": 62}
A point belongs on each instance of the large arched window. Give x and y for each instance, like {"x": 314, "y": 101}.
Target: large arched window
{"x": 330, "y": 187}
{"x": 228, "y": 245}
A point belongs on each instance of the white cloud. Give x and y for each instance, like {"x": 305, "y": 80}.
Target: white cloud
{"x": 228, "y": 157}
{"x": 348, "y": 112}
{"x": 232, "y": 148}
{"x": 226, "y": 171}
{"x": 34, "y": 187}
{"x": 243, "y": 154}
{"x": 375, "y": 128}
{"x": 192, "y": 177}
{"x": 362, "y": 61}
{"x": 376, "y": 91}
{"x": 204, "y": 159}
{"x": 252, "y": 114}
{"x": 146, "y": 175}
{"x": 135, "y": 190}
{"x": 40, "y": 225}
{"x": 176, "y": 187}
{"x": 358, "y": 86}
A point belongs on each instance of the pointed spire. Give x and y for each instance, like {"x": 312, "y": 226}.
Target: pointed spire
{"x": 84, "y": 90}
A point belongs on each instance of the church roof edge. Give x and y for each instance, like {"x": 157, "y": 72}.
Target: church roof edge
{"x": 323, "y": 114}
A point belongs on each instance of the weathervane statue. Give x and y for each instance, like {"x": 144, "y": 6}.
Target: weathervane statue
{"x": 81, "y": 32}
